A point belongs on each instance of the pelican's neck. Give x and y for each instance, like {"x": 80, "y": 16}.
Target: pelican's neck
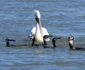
{"x": 39, "y": 36}
{"x": 37, "y": 17}
{"x": 39, "y": 27}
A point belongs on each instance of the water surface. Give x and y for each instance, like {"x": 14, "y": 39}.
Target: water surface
{"x": 60, "y": 17}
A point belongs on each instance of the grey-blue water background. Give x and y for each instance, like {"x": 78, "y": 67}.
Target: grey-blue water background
{"x": 60, "y": 17}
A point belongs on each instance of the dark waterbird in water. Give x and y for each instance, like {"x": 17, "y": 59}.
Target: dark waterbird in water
{"x": 44, "y": 40}
{"x": 70, "y": 41}
{"x": 33, "y": 41}
{"x": 54, "y": 39}
{"x": 8, "y": 40}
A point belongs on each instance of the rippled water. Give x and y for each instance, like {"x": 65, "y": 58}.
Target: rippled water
{"x": 60, "y": 17}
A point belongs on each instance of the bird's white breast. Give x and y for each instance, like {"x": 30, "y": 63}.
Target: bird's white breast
{"x": 71, "y": 42}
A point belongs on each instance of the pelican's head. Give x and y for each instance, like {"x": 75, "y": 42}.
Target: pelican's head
{"x": 37, "y": 15}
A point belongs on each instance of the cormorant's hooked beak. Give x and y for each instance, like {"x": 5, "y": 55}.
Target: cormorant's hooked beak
{"x": 55, "y": 38}
{"x": 7, "y": 39}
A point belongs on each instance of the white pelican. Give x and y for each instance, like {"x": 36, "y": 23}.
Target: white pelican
{"x": 38, "y": 32}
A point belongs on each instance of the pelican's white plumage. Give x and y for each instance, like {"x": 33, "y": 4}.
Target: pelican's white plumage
{"x": 39, "y": 31}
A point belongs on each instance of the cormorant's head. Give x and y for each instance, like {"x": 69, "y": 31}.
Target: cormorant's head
{"x": 7, "y": 41}
{"x": 71, "y": 39}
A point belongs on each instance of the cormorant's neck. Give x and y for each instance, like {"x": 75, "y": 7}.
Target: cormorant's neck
{"x": 33, "y": 41}
{"x": 44, "y": 41}
{"x": 71, "y": 46}
{"x": 53, "y": 41}
{"x": 7, "y": 44}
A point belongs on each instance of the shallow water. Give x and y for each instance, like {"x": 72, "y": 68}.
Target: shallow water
{"x": 60, "y": 17}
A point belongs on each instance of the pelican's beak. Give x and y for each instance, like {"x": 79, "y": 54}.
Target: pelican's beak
{"x": 37, "y": 16}
{"x": 38, "y": 20}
